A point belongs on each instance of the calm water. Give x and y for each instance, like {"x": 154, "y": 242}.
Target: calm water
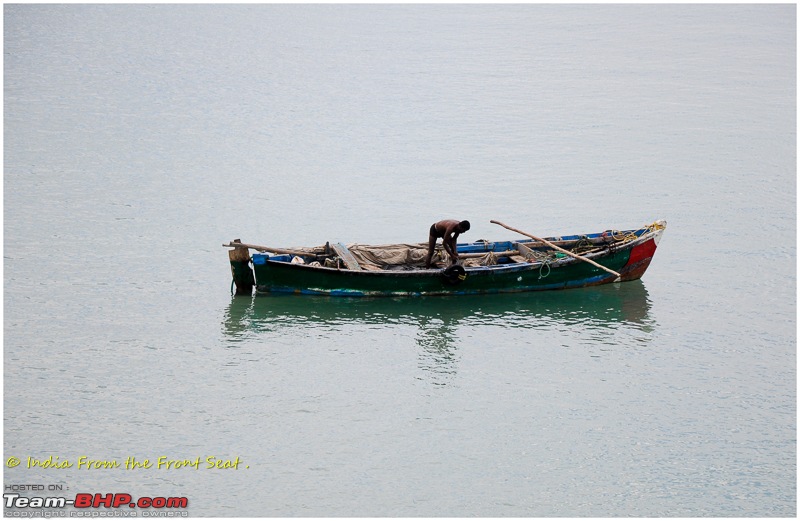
{"x": 138, "y": 139}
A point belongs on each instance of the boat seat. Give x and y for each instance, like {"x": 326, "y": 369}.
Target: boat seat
{"x": 346, "y": 256}
{"x": 525, "y": 251}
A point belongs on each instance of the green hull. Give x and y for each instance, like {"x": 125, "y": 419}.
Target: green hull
{"x": 283, "y": 277}
{"x": 275, "y": 276}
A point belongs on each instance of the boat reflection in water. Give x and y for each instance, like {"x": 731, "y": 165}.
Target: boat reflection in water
{"x": 595, "y": 314}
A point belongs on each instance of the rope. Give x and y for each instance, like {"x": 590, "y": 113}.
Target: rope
{"x": 544, "y": 263}
{"x": 583, "y": 244}
{"x": 653, "y": 227}
{"x": 622, "y": 237}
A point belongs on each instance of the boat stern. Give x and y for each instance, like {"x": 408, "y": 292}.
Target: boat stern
{"x": 243, "y": 277}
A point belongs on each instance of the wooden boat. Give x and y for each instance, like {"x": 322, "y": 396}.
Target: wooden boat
{"x": 529, "y": 264}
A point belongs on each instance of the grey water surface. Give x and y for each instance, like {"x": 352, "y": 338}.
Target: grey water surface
{"x": 140, "y": 138}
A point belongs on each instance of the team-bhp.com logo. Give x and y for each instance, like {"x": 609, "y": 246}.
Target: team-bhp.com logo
{"x": 88, "y": 501}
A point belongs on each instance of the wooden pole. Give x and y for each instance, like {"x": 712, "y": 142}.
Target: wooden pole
{"x": 281, "y": 251}
{"x": 562, "y": 250}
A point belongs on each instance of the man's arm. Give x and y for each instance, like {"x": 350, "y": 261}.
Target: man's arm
{"x": 449, "y": 243}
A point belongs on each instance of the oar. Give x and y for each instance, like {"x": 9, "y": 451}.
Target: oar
{"x": 562, "y": 250}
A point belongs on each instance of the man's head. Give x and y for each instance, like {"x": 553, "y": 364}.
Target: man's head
{"x": 463, "y": 226}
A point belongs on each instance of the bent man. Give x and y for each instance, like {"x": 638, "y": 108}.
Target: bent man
{"x": 448, "y": 230}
